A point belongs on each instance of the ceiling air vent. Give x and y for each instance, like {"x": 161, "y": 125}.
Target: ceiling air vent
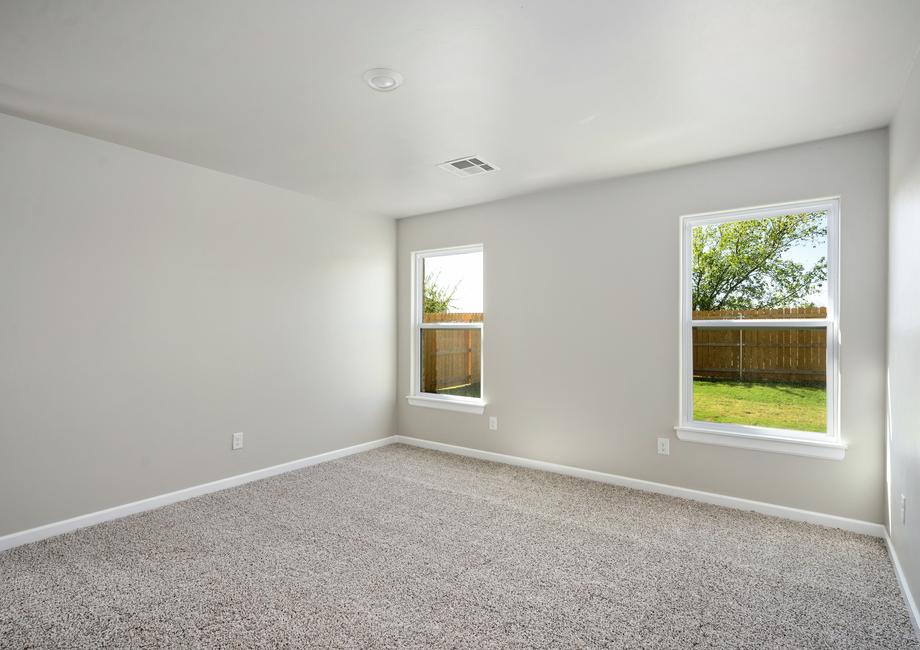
{"x": 468, "y": 166}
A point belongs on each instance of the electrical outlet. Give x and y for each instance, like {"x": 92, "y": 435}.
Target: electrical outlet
{"x": 493, "y": 423}
{"x": 238, "y": 440}
{"x": 903, "y": 510}
{"x": 664, "y": 446}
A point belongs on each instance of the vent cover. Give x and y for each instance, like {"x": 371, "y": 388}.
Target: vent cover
{"x": 468, "y": 166}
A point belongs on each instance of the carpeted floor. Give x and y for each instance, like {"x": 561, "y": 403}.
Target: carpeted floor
{"x": 412, "y": 548}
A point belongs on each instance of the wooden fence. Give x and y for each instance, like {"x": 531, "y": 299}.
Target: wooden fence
{"x": 754, "y": 314}
{"x": 769, "y": 354}
{"x": 451, "y": 357}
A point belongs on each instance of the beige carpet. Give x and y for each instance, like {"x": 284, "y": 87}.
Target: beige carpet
{"x": 403, "y": 547}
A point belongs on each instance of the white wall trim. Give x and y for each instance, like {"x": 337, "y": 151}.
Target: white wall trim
{"x": 826, "y": 449}
{"x": 116, "y": 512}
{"x": 460, "y": 404}
{"x": 833, "y": 521}
{"x": 905, "y": 589}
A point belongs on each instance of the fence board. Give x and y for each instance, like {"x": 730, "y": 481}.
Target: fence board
{"x": 753, "y": 314}
{"x": 452, "y": 317}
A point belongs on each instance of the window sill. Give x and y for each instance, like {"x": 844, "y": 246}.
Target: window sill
{"x": 826, "y": 449}
{"x": 460, "y": 404}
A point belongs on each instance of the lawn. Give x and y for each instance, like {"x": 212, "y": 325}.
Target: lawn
{"x": 466, "y": 390}
{"x": 782, "y": 406}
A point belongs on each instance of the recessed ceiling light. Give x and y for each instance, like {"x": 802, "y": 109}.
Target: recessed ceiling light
{"x": 383, "y": 79}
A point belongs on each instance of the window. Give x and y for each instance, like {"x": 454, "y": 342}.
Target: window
{"x": 759, "y": 329}
{"x": 447, "y": 318}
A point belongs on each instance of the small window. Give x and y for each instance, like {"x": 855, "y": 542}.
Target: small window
{"x": 447, "y": 329}
{"x": 759, "y": 329}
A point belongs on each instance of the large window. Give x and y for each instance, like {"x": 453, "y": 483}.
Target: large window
{"x": 447, "y": 313}
{"x": 759, "y": 318}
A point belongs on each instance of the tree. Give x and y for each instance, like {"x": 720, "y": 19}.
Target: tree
{"x": 740, "y": 265}
{"x": 437, "y": 299}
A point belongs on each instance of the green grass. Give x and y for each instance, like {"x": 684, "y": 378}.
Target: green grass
{"x": 782, "y": 406}
{"x": 467, "y": 390}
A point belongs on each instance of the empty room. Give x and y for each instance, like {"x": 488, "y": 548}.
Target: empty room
{"x": 492, "y": 324}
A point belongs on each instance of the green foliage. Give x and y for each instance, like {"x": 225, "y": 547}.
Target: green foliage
{"x": 739, "y": 264}
{"x": 437, "y": 299}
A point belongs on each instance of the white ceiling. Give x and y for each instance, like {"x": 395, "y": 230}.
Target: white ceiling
{"x": 551, "y": 91}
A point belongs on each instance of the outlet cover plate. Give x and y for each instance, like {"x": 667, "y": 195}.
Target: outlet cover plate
{"x": 664, "y": 446}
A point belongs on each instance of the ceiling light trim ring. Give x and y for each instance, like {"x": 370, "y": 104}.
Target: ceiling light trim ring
{"x": 383, "y": 80}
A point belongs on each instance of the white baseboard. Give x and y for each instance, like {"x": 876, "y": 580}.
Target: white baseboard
{"x": 833, "y": 521}
{"x": 854, "y": 525}
{"x": 67, "y": 525}
{"x": 905, "y": 588}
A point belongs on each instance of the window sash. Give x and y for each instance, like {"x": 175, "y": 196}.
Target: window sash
{"x": 754, "y": 430}
{"x": 783, "y": 323}
{"x": 450, "y": 326}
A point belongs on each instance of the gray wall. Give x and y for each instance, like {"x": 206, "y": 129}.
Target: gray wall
{"x": 582, "y": 283}
{"x": 904, "y": 332}
{"x": 151, "y": 308}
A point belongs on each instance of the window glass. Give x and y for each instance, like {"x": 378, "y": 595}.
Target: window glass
{"x": 451, "y": 362}
{"x": 766, "y": 377}
{"x": 452, "y": 288}
{"x": 761, "y": 268}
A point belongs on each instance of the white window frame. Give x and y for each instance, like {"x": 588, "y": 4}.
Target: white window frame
{"x": 800, "y": 443}
{"x": 432, "y": 400}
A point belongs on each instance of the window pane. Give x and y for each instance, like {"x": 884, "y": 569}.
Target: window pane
{"x": 452, "y": 288}
{"x": 450, "y": 362}
{"x": 768, "y": 377}
{"x": 760, "y": 268}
